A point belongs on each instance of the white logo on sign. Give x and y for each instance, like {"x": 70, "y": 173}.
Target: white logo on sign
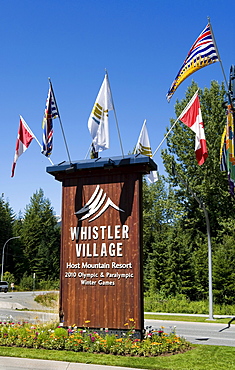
{"x": 94, "y": 204}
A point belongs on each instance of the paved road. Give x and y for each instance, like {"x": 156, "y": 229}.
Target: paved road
{"x": 198, "y": 332}
{"x": 20, "y": 300}
{"x": 12, "y": 304}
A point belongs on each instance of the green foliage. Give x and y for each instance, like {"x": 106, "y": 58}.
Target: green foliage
{"x": 200, "y": 358}
{"x": 41, "y": 238}
{"x": 180, "y": 303}
{"x": 48, "y": 299}
{"x": 48, "y": 284}
{"x": 6, "y": 217}
{"x": 37, "y": 249}
{"x": 6, "y": 232}
{"x": 74, "y": 339}
{"x": 175, "y": 233}
{"x": 207, "y": 180}
{"x": 26, "y": 283}
{"x": 7, "y": 276}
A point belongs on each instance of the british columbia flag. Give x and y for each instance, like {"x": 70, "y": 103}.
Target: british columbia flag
{"x": 202, "y": 53}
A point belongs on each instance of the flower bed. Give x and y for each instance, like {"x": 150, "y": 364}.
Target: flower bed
{"x": 84, "y": 340}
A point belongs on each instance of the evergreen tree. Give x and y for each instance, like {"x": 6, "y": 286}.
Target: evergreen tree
{"x": 41, "y": 238}
{"x": 6, "y": 232}
{"x": 159, "y": 217}
{"x": 224, "y": 264}
{"x": 19, "y": 260}
{"x": 208, "y": 182}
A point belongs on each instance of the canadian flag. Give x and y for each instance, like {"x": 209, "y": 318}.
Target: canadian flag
{"x": 24, "y": 138}
{"x": 192, "y": 117}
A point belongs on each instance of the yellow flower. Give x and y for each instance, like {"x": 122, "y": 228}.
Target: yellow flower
{"x": 155, "y": 344}
{"x": 131, "y": 320}
{"x": 87, "y": 321}
{"x": 135, "y": 345}
{"x": 126, "y": 324}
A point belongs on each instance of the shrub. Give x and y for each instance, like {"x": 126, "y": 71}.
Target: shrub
{"x": 48, "y": 299}
{"x": 26, "y": 283}
{"x": 181, "y": 304}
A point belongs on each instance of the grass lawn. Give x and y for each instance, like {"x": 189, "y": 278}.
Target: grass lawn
{"x": 199, "y": 358}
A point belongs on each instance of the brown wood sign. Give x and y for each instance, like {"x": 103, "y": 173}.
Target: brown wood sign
{"x": 101, "y": 247}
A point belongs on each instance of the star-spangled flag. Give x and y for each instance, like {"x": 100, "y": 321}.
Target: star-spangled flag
{"x": 202, "y": 53}
{"x": 51, "y": 112}
{"x": 24, "y": 138}
{"x": 192, "y": 117}
{"x": 98, "y": 120}
{"x": 143, "y": 147}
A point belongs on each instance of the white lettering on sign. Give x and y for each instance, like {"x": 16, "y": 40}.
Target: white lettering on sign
{"x": 103, "y": 250}
{"x": 97, "y": 277}
{"x": 106, "y": 282}
{"x": 121, "y": 265}
{"x": 86, "y": 265}
{"x": 111, "y": 232}
{"x": 119, "y": 276}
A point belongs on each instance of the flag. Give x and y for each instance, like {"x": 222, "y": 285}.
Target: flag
{"x": 98, "y": 120}
{"x": 24, "y": 138}
{"x": 227, "y": 150}
{"x": 202, "y": 53}
{"x": 51, "y": 112}
{"x": 192, "y": 117}
{"x": 143, "y": 147}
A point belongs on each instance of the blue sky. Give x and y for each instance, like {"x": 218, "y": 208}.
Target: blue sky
{"x": 141, "y": 43}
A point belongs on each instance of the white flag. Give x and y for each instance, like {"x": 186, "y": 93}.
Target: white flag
{"x": 143, "y": 147}
{"x": 98, "y": 120}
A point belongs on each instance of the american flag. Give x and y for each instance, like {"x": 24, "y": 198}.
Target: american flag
{"x": 202, "y": 53}
{"x": 51, "y": 112}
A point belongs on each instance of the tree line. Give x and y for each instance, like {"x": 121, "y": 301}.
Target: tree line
{"x": 175, "y": 249}
{"x": 36, "y": 252}
{"x": 175, "y": 234}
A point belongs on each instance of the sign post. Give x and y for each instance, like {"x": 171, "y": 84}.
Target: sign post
{"x": 101, "y": 273}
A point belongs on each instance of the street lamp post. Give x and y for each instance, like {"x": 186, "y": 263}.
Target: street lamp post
{"x": 3, "y": 249}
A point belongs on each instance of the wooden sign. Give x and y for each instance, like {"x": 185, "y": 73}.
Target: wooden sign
{"x": 101, "y": 247}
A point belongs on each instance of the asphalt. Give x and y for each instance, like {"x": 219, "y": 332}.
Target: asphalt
{"x": 15, "y": 363}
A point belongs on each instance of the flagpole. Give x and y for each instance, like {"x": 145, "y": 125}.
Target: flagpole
{"x": 29, "y": 129}
{"x": 89, "y": 149}
{"x": 175, "y": 123}
{"x": 66, "y": 146}
{"x": 115, "y": 115}
{"x": 49, "y": 159}
{"x": 221, "y": 64}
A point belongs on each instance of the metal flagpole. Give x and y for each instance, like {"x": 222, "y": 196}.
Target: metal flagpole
{"x": 221, "y": 64}
{"x": 89, "y": 149}
{"x": 66, "y": 146}
{"x": 115, "y": 115}
{"x": 174, "y": 123}
{"x": 29, "y": 129}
